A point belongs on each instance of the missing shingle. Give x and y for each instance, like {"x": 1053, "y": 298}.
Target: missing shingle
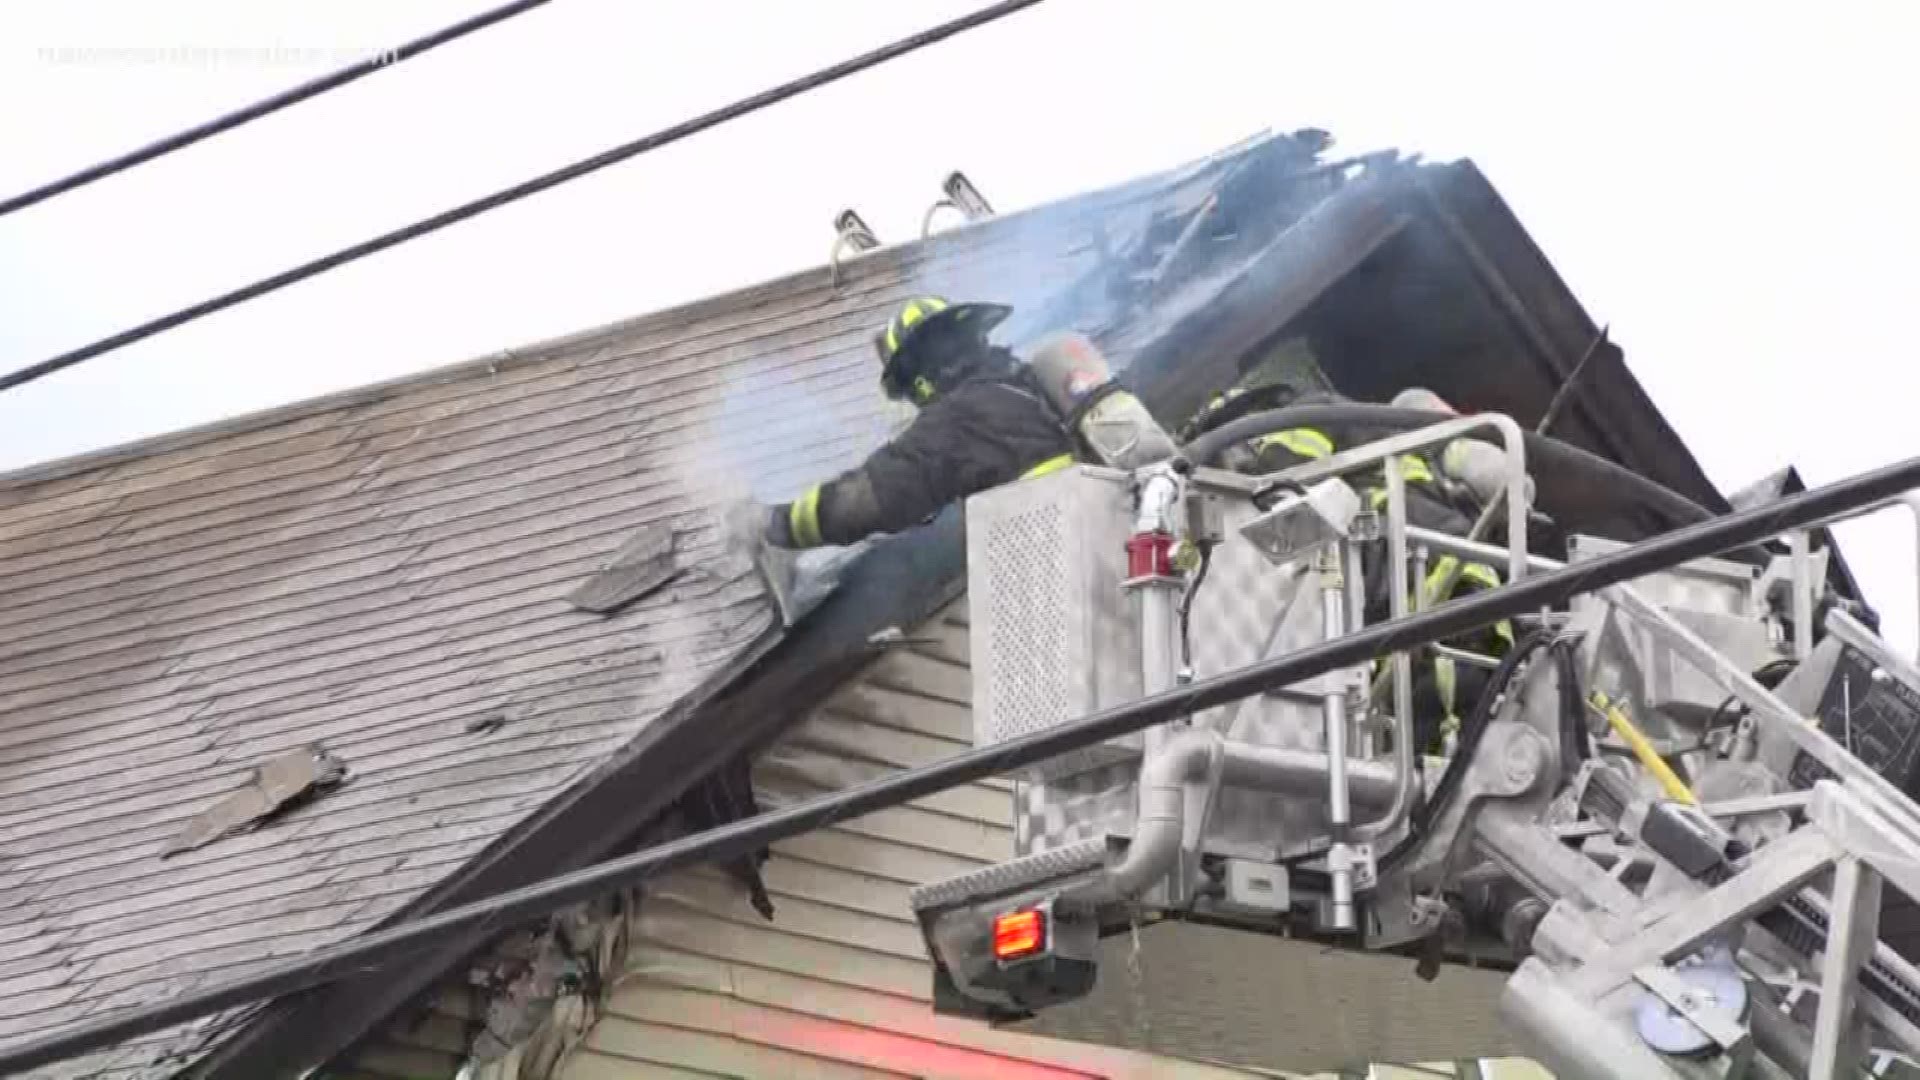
{"x": 641, "y": 566}
{"x": 486, "y": 722}
{"x": 276, "y": 787}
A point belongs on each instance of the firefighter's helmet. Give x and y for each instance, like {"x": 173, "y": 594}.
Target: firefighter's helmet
{"x": 902, "y": 343}
{"x": 1237, "y": 402}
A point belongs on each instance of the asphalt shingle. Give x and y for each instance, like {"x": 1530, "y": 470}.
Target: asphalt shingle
{"x": 384, "y": 574}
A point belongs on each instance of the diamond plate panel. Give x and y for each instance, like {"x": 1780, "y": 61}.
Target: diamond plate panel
{"x": 1247, "y": 609}
{"x": 1253, "y": 611}
{"x": 1066, "y": 810}
{"x": 1050, "y": 865}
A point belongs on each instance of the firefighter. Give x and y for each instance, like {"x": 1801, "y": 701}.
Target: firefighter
{"x": 981, "y": 422}
{"x": 1444, "y": 689}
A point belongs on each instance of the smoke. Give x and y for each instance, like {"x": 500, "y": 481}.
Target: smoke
{"x": 779, "y": 422}
{"x": 1039, "y": 264}
{"x": 1121, "y": 263}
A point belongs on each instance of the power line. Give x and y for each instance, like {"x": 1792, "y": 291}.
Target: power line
{"x": 266, "y": 106}
{"x": 519, "y": 191}
{"x": 1526, "y": 596}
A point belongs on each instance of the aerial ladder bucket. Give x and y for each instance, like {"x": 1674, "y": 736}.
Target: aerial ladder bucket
{"x": 1676, "y": 814}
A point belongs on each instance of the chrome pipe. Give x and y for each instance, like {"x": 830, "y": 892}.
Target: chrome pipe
{"x": 1800, "y": 543}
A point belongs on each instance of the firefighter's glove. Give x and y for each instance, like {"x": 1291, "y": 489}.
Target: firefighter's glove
{"x": 776, "y": 527}
{"x": 745, "y": 525}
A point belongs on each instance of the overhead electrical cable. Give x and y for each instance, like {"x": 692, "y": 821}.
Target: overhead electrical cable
{"x": 516, "y": 192}
{"x": 360, "y": 69}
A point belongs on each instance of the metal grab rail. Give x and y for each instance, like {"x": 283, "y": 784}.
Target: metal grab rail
{"x": 926, "y": 221}
{"x": 1512, "y": 439}
{"x": 1386, "y": 453}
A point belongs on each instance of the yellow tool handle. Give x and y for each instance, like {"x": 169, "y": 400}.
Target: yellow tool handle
{"x": 1675, "y": 787}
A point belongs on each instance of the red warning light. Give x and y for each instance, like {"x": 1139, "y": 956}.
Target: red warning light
{"x": 1019, "y": 933}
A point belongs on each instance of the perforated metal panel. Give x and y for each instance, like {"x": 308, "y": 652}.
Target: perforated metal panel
{"x": 1026, "y": 559}
{"x": 1052, "y": 636}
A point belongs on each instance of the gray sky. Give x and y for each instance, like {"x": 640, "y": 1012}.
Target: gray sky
{"x": 1729, "y": 185}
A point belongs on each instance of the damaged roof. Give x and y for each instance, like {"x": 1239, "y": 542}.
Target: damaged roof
{"x": 496, "y": 596}
{"x": 398, "y": 579}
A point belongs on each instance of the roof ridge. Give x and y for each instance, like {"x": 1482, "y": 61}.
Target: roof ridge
{"x": 887, "y": 257}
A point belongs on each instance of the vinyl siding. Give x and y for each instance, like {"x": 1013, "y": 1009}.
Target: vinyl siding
{"x": 837, "y": 984}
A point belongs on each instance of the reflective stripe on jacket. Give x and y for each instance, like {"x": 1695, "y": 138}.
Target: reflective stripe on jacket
{"x": 976, "y": 435}
{"x": 1305, "y": 442}
{"x": 1285, "y": 449}
{"x": 1051, "y": 465}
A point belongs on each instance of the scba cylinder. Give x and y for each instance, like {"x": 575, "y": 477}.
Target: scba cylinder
{"x": 1112, "y": 423}
{"x": 1475, "y": 462}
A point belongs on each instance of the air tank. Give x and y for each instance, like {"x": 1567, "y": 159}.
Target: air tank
{"x": 1419, "y": 397}
{"x": 1112, "y": 423}
{"x": 1474, "y": 462}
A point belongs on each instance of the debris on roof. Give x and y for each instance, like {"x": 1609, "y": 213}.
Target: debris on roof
{"x": 374, "y": 568}
{"x": 274, "y": 788}
{"x": 545, "y": 986}
{"x": 372, "y": 572}
{"x": 642, "y": 565}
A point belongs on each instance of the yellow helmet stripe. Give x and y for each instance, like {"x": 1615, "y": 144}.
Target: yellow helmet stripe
{"x": 912, "y": 312}
{"x": 917, "y": 310}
